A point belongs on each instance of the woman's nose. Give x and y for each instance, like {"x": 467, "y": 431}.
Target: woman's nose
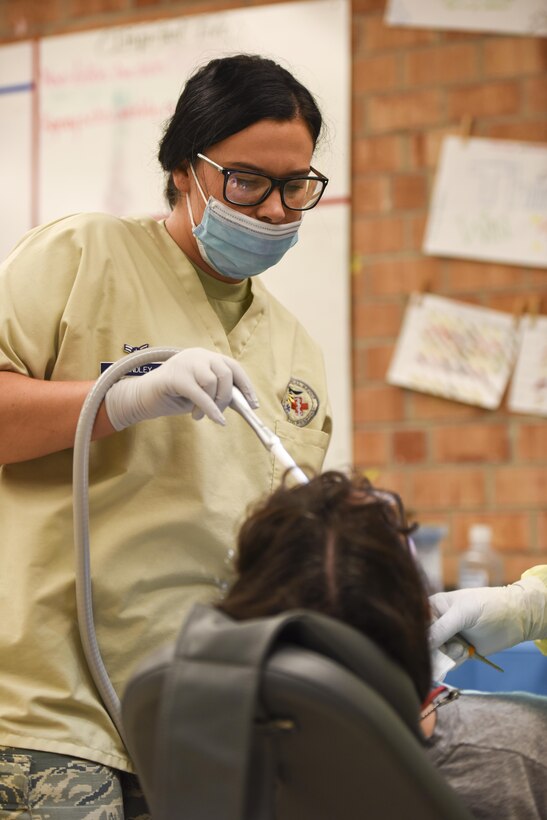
{"x": 272, "y": 210}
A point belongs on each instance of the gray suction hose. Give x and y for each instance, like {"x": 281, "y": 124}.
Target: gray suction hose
{"x": 80, "y": 484}
{"x": 82, "y": 441}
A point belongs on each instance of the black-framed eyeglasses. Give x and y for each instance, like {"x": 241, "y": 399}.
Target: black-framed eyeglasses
{"x": 249, "y": 188}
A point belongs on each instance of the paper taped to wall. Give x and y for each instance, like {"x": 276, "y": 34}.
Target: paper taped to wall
{"x": 490, "y": 202}
{"x": 455, "y": 350}
{"x": 503, "y": 16}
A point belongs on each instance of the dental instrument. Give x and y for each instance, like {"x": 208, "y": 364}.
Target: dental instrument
{"x": 476, "y": 655}
{"x": 269, "y": 439}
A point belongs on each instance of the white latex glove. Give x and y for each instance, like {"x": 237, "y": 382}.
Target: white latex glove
{"x": 490, "y": 618}
{"x": 195, "y": 381}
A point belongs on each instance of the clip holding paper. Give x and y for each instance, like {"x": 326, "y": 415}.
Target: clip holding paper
{"x": 466, "y": 127}
{"x": 520, "y": 308}
{"x": 426, "y": 286}
{"x": 534, "y": 308}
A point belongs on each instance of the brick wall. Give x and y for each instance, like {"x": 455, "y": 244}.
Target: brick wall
{"x": 454, "y": 464}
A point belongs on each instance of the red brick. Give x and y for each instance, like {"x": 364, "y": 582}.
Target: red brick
{"x": 370, "y": 449}
{"x": 380, "y": 36}
{"x": 377, "y": 320}
{"x": 409, "y": 191}
{"x": 425, "y": 407}
{"x": 404, "y": 111}
{"x": 393, "y": 480}
{"x": 358, "y": 118}
{"x": 370, "y": 195}
{"x": 510, "y": 531}
{"x": 415, "y": 231}
{"x": 447, "y": 489}
{"x": 515, "y": 565}
{"x": 372, "y": 404}
{"x": 532, "y": 443}
{"x": 535, "y": 91}
{"x": 403, "y": 276}
{"x": 360, "y": 288}
{"x": 484, "y": 100}
{"x": 442, "y": 64}
{"x": 409, "y": 446}
{"x": 377, "y": 154}
{"x": 542, "y": 534}
{"x": 357, "y": 34}
{"x": 367, "y": 6}
{"x": 23, "y": 18}
{"x": 463, "y": 275}
{"x": 87, "y": 8}
{"x": 377, "y": 360}
{"x": 479, "y": 442}
{"x": 520, "y": 486}
{"x": 375, "y": 73}
{"x": 514, "y": 56}
{"x": 508, "y": 302}
{"x": 525, "y": 130}
{"x": 450, "y": 568}
{"x": 534, "y": 278}
{"x": 378, "y": 234}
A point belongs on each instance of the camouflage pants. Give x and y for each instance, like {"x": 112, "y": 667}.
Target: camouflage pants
{"x": 45, "y": 786}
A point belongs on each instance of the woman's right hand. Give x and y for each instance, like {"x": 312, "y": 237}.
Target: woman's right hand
{"x": 195, "y": 380}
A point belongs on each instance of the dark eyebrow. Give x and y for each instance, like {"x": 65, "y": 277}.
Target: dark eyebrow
{"x": 240, "y": 166}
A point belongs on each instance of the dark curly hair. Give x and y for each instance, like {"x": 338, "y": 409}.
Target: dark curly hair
{"x": 337, "y": 546}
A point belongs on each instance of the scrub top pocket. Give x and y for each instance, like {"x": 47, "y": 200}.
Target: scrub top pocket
{"x": 307, "y": 448}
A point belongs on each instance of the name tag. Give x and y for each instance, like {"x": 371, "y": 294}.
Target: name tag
{"x": 137, "y": 371}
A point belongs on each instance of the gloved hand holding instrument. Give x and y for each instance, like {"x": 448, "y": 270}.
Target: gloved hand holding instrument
{"x": 193, "y": 380}
{"x": 488, "y": 619}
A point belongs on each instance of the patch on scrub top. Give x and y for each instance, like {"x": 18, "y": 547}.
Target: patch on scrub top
{"x": 137, "y": 371}
{"x": 132, "y": 348}
{"x": 300, "y": 403}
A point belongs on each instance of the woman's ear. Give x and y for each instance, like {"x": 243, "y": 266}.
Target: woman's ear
{"x": 181, "y": 178}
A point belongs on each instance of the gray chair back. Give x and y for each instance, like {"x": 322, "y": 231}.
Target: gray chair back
{"x": 295, "y": 717}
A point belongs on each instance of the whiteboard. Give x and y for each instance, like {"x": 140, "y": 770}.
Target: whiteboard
{"x": 502, "y": 16}
{"x": 104, "y": 98}
{"x": 106, "y": 94}
{"x": 490, "y": 202}
{"x": 16, "y": 146}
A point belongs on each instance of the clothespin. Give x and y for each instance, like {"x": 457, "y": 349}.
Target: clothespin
{"x": 466, "y": 127}
{"x": 520, "y": 308}
{"x": 534, "y": 308}
{"x": 426, "y": 286}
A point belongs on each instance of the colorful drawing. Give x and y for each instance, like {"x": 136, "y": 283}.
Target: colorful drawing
{"x": 459, "y": 351}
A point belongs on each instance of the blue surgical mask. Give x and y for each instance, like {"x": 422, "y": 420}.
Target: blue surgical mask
{"x": 238, "y": 246}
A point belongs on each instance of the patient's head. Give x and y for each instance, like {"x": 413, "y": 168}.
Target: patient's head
{"x": 339, "y": 547}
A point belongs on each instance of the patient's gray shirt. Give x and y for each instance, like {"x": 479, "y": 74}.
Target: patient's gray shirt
{"x": 492, "y": 749}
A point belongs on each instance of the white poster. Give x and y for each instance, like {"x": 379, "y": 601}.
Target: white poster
{"x": 489, "y": 202}
{"x": 528, "y": 393}
{"x": 502, "y": 16}
{"x": 455, "y": 350}
{"x": 16, "y": 143}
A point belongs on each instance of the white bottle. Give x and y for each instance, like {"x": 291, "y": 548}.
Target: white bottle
{"x": 480, "y": 566}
